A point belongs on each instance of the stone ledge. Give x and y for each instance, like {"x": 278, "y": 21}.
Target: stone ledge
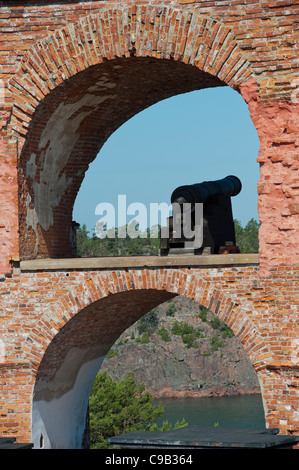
{"x": 139, "y": 262}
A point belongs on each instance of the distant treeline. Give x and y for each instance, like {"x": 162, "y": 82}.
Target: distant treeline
{"x": 90, "y": 245}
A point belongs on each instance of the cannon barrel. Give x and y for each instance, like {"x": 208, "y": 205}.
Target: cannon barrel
{"x": 201, "y": 192}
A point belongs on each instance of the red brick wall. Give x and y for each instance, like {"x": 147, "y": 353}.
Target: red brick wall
{"x": 60, "y": 65}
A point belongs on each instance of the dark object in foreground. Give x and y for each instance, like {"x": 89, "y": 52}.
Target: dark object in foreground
{"x": 197, "y": 437}
{"x": 9, "y": 443}
{"x": 217, "y": 224}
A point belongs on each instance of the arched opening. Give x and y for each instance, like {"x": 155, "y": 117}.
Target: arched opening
{"x": 77, "y": 104}
{"x": 192, "y": 137}
{"x": 70, "y": 126}
{"x": 191, "y": 362}
{"x": 172, "y": 349}
{"x": 75, "y": 355}
{"x": 71, "y": 361}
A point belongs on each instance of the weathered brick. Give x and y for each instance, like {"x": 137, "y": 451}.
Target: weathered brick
{"x": 50, "y": 54}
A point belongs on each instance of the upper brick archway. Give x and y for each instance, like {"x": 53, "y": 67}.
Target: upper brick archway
{"x": 76, "y": 86}
{"x": 209, "y": 40}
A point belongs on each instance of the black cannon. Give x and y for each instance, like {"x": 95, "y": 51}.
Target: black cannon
{"x": 217, "y": 224}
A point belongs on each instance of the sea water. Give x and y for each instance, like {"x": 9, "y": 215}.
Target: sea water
{"x": 244, "y": 411}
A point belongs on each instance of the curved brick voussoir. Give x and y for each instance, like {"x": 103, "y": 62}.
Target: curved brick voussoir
{"x": 155, "y": 286}
{"x": 145, "y": 31}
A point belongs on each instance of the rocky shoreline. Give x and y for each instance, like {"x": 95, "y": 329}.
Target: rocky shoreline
{"x": 206, "y": 361}
{"x": 169, "y": 393}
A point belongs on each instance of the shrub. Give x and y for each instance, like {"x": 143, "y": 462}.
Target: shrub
{"x": 170, "y": 309}
{"x": 215, "y": 323}
{"x": 148, "y": 323}
{"x": 203, "y": 314}
{"x": 144, "y": 339}
{"x": 182, "y": 328}
{"x": 190, "y": 340}
{"x": 188, "y": 333}
{"x": 216, "y": 343}
{"x": 218, "y": 324}
{"x": 163, "y": 332}
{"x": 111, "y": 353}
{"x": 122, "y": 407}
{"x": 117, "y": 408}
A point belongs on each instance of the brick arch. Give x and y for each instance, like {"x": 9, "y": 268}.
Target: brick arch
{"x": 155, "y": 286}
{"x": 235, "y": 310}
{"x": 80, "y": 78}
{"x": 142, "y": 31}
{"x": 71, "y": 340}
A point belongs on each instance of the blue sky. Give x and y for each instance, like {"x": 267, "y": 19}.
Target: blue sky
{"x": 190, "y": 138}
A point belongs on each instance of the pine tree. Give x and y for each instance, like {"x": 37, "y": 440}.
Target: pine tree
{"x": 117, "y": 408}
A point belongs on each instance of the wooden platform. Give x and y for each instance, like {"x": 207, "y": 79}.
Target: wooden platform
{"x": 198, "y": 437}
{"x": 114, "y": 262}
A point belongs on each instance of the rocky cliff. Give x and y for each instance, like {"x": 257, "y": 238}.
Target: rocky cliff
{"x": 181, "y": 350}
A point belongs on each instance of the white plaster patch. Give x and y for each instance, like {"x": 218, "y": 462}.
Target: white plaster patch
{"x": 103, "y": 83}
{"x": 56, "y": 144}
{"x": 2, "y": 351}
{"x": 295, "y": 351}
{"x": 32, "y": 221}
{"x": 31, "y": 166}
{"x": 60, "y": 423}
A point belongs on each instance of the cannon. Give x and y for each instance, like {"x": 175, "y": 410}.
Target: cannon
{"x": 217, "y": 224}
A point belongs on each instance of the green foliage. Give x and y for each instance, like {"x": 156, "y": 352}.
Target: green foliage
{"x": 182, "y": 328}
{"x": 247, "y": 237}
{"x": 206, "y": 353}
{"x": 90, "y": 245}
{"x": 190, "y": 340}
{"x": 216, "y": 343}
{"x": 171, "y": 308}
{"x": 163, "y": 332}
{"x": 166, "y": 426}
{"x": 149, "y": 322}
{"x": 227, "y": 332}
{"x": 188, "y": 333}
{"x": 218, "y": 324}
{"x": 215, "y": 323}
{"x": 203, "y": 314}
{"x": 117, "y": 408}
{"x": 144, "y": 339}
{"x": 111, "y": 353}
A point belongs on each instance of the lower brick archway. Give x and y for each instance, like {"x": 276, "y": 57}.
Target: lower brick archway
{"x": 76, "y": 315}
{"x": 93, "y": 315}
